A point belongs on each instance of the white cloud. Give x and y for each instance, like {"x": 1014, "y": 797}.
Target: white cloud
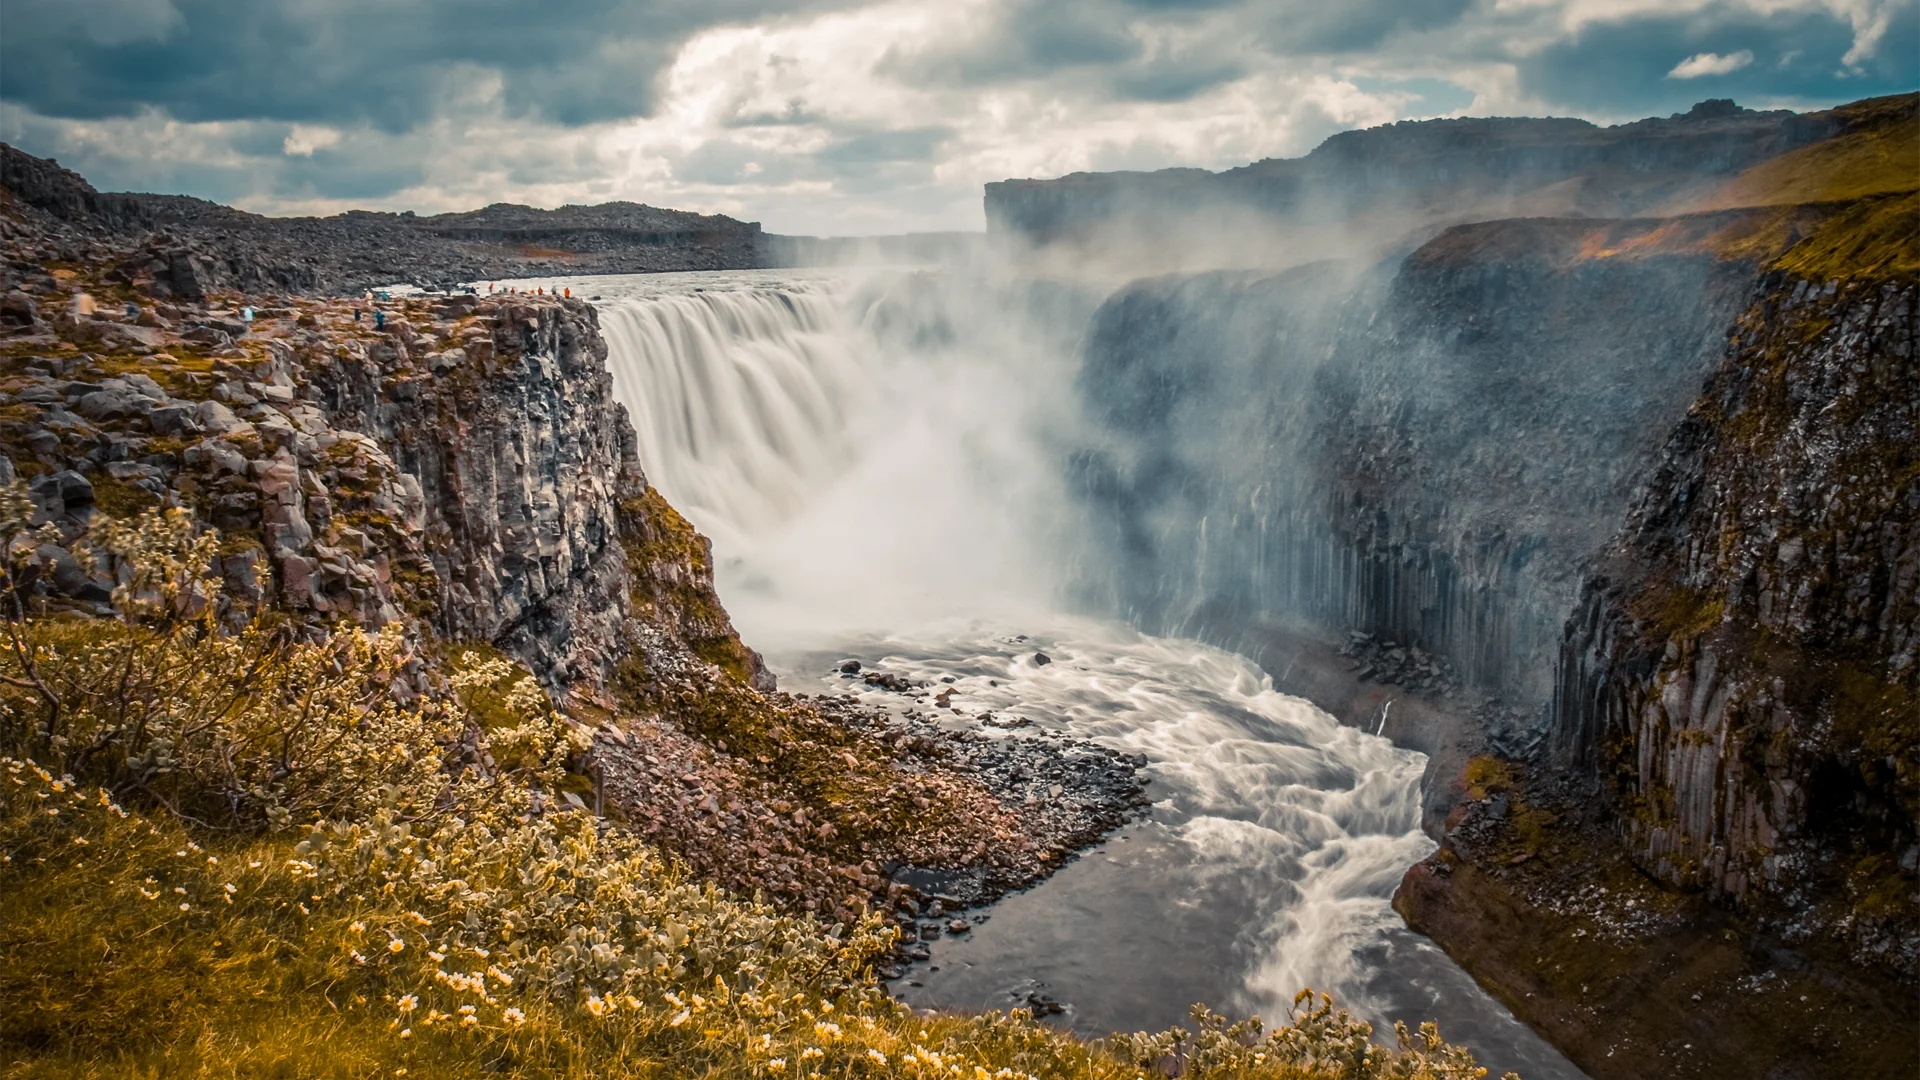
{"x": 1706, "y": 63}
{"x": 304, "y": 139}
{"x": 851, "y": 119}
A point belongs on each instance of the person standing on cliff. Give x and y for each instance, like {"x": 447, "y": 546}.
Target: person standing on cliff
{"x": 380, "y": 320}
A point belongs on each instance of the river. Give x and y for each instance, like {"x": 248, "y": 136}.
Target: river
{"x": 876, "y": 458}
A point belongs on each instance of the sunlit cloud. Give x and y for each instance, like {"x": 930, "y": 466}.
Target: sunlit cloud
{"x": 1699, "y": 64}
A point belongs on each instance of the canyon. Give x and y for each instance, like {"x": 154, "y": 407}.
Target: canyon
{"x": 1579, "y": 459}
{"x": 1616, "y": 513}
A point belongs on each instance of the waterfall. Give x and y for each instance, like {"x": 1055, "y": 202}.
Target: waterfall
{"x": 741, "y": 397}
{"x": 865, "y": 452}
{"x": 882, "y": 464}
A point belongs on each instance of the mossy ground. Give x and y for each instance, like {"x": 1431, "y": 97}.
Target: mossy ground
{"x": 1876, "y": 153}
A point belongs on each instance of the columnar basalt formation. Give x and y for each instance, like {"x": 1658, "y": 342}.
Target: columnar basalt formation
{"x": 1441, "y": 444}
{"x": 1487, "y": 465}
{"x": 1741, "y": 671}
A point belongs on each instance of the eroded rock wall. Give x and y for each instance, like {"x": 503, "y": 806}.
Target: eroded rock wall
{"x": 465, "y": 463}
{"x": 1741, "y": 671}
{"x": 1427, "y": 450}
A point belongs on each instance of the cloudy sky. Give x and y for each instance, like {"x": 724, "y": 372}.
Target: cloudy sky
{"x": 848, "y": 116}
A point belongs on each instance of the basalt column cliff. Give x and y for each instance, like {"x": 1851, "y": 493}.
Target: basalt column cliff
{"x": 1613, "y": 514}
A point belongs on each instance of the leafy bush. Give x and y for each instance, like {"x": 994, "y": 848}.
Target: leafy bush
{"x": 315, "y": 873}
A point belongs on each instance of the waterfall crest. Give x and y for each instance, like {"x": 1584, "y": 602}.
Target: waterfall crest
{"x": 742, "y": 398}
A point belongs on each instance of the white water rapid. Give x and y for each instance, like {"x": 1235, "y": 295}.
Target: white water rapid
{"x": 877, "y": 462}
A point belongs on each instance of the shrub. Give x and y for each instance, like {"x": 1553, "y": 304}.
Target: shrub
{"x": 258, "y": 852}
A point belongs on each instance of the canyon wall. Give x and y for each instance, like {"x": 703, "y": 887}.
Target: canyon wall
{"x": 1740, "y": 673}
{"x": 1426, "y": 450}
{"x": 1653, "y": 482}
{"x": 466, "y": 464}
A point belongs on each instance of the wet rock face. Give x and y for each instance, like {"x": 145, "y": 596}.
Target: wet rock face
{"x": 1427, "y": 452}
{"x": 1741, "y": 672}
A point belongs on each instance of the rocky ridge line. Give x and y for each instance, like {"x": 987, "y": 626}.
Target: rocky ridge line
{"x": 198, "y": 245}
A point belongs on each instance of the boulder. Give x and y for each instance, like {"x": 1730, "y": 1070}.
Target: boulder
{"x": 69, "y": 579}
{"x": 296, "y": 579}
{"x": 18, "y": 309}
{"x": 184, "y": 275}
{"x": 112, "y": 405}
{"x": 174, "y": 420}
{"x": 219, "y": 419}
{"x": 143, "y": 384}
{"x": 65, "y": 490}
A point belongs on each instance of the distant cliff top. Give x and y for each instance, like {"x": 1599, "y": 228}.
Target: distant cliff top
{"x": 358, "y": 249}
{"x": 1398, "y": 179}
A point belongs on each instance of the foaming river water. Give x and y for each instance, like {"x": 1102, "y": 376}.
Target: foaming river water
{"x": 873, "y": 459}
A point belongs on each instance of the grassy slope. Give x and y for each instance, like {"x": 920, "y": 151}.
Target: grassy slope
{"x": 1878, "y": 153}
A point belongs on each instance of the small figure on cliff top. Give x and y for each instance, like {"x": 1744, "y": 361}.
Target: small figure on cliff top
{"x": 379, "y": 320}
{"x": 569, "y": 294}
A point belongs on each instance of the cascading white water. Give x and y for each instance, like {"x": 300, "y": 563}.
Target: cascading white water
{"x": 874, "y": 462}
{"x": 747, "y": 395}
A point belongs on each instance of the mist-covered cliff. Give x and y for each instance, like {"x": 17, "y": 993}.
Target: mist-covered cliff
{"x": 1740, "y": 673}
{"x": 1371, "y": 189}
{"x": 1646, "y": 482}
{"x": 1426, "y": 450}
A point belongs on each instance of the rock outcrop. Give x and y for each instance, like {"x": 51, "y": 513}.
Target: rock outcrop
{"x": 1741, "y": 671}
{"x": 466, "y": 464}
